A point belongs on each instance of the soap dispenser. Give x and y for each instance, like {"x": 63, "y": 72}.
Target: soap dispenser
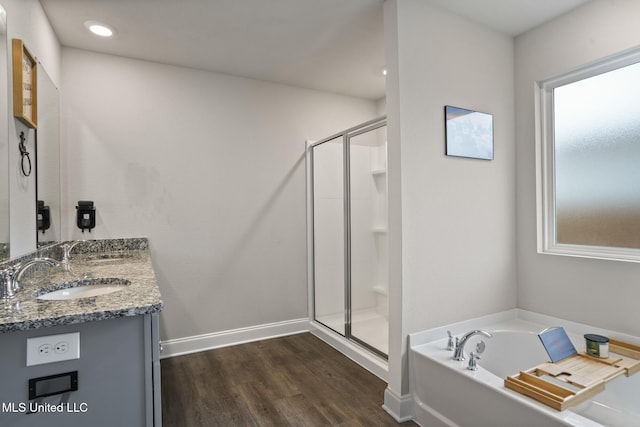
{"x": 43, "y": 217}
{"x": 86, "y": 215}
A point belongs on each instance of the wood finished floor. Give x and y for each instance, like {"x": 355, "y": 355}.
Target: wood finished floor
{"x": 296, "y": 380}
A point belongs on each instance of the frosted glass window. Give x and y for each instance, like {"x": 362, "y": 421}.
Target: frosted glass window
{"x": 589, "y": 160}
{"x": 597, "y": 159}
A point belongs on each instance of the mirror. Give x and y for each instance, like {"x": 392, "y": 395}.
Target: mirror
{"x": 47, "y": 153}
{"x": 48, "y": 161}
{"x": 4, "y": 140}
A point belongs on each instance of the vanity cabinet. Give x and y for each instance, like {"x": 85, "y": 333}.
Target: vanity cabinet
{"x": 118, "y": 376}
{"x": 117, "y": 368}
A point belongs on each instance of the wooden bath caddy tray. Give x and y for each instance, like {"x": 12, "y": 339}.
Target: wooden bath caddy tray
{"x": 577, "y": 378}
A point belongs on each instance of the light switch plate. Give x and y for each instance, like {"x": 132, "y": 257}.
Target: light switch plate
{"x": 53, "y": 348}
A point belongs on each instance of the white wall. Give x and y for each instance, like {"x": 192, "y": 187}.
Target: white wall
{"x": 458, "y": 218}
{"x": 596, "y": 292}
{"x": 26, "y": 20}
{"x": 209, "y": 167}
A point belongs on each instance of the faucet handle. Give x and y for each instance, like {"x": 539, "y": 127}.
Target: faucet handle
{"x": 9, "y": 271}
{"x": 67, "y": 247}
{"x": 458, "y": 351}
{"x": 450, "y": 342}
{"x": 6, "y": 282}
{"x": 473, "y": 361}
{"x": 66, "y": 251}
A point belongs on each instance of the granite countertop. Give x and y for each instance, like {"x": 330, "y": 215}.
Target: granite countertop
{"x": 127, "y": 259}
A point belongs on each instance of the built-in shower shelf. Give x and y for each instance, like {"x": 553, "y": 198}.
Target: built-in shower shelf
{"x": 379, "y": 230}
{"x": 378, "y": 172}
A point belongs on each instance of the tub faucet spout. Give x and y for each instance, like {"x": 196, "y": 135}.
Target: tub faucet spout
{"x": 458, "y": 354}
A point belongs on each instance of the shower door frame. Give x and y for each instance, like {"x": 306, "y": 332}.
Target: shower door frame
{"x": 346, "y": 136}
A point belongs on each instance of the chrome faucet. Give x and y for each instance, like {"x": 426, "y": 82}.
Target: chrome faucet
{"x": 473, "y": 361}
{"x": 66, "y": 254}
{"x": 458, "y": 354}
{"x": 450, "y": 341}
{"x": 21, "y": 268}
{"x": 66, "y": 250}
{"x": 6, "y": 283}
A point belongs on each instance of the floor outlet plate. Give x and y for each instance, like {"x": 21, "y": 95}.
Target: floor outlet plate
{"x": 53, "y": 348}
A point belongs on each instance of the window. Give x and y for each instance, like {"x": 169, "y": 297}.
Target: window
{"x": 589, "y": 160}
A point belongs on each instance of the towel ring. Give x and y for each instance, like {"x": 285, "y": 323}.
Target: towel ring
{"x": 26, "y": 168}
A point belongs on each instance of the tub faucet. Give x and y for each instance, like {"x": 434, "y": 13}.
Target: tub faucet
{"x": 458, "y": 354}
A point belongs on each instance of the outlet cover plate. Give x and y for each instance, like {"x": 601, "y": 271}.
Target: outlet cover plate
{"x": 53, "y": 348}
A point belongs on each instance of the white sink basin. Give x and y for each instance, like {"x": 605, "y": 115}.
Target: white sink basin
{"x": 84, "y": 288}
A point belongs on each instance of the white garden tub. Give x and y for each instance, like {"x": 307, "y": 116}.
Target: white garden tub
{"x": 446, "y": 393}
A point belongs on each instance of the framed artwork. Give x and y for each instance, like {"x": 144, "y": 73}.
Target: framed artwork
{"x": 468, "y": 133}
{"x": 25, "y": 90}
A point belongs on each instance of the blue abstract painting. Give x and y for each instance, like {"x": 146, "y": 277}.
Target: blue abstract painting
{"x": 468, "y": 133}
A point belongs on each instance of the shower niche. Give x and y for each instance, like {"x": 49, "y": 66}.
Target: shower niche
{"x": 348, "y": 234}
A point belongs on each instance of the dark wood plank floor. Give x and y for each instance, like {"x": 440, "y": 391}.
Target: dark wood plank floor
{"x": 296, "y": 380}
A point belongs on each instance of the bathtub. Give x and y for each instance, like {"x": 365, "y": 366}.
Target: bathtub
{"x": 445, "y": 393}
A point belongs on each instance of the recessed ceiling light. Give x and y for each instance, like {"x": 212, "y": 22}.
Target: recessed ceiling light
{"x": 99, "y": 29}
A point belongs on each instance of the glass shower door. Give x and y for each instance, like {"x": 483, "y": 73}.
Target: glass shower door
{"x": 329, "y": 234}
{"x": 368, "y": 297}
{"x": 349, "y": 249}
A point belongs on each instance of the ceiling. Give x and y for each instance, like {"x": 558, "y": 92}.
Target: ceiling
{"x": 330, "y": 45}
{"x": 512, "y": 17}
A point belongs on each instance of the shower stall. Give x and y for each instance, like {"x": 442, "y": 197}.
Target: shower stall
{"x": 347, "y": 204}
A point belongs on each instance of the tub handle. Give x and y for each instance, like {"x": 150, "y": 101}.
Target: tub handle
{"x": 473, "y": 361}
{"x": 450, "y": 342}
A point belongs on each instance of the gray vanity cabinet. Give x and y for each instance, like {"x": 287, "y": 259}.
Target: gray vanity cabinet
{"x": 118, "y": 376}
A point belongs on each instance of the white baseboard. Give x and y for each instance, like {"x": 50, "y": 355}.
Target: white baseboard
{"x": 399, "y": 407}
{"x": 186, "y": 345}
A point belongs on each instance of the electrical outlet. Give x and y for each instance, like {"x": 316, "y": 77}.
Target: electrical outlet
{"x": 53, "y": 348}
{"x": 61, "y": 347}
{"x": 44, "y": 349}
